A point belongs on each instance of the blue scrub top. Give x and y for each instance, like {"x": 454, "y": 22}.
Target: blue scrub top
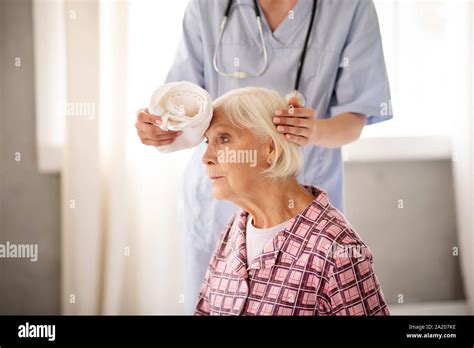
{"x": 344, "y": 71}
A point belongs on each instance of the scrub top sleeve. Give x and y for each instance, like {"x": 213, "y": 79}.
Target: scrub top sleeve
{"x": 188, "y": 61}
{"x": 362, "y": 82}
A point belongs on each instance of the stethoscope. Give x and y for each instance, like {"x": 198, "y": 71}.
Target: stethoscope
{"x": 242, "y": 74}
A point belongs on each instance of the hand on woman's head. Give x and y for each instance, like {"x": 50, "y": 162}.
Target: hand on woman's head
{"x": 244, "y": 148}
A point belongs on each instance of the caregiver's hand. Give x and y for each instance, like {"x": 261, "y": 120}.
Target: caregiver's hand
{"x": 150, "y": 133}
{"x": 298, "y": 124}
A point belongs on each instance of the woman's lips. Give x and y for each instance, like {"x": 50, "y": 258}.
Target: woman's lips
{"x": 213, "y": 178}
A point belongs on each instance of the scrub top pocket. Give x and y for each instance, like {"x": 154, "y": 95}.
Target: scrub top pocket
{"x": 319, "y": 70}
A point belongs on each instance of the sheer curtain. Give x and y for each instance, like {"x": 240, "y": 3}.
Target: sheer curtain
{"x": 463, "y": 169}
{"x": 120, "y": 245}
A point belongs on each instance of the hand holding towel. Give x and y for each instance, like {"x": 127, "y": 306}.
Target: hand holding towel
{"x": 183, "y": 106}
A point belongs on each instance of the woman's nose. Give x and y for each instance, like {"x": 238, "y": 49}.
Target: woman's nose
{"x": 209, "y": 157}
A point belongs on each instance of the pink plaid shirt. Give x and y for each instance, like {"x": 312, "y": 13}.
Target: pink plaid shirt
{"x": 317, "y": 265}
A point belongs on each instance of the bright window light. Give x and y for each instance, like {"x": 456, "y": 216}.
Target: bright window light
{"x": 426, "y": 45}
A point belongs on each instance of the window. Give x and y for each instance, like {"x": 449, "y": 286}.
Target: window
{"x": 427, "y": 48}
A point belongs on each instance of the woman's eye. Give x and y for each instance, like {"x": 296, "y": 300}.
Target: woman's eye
{"x": 223, "y": 139}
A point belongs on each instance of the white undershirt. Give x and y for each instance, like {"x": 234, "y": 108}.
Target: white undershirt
{"x": 256, "y": 238}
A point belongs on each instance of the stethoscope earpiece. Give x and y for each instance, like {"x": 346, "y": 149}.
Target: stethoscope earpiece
{"x": 239, "y": 74}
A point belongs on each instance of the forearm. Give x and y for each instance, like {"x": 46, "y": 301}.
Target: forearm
{"x": 339, "y": 130}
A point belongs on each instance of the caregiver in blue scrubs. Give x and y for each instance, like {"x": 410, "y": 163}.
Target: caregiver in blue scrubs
{"x": 343, "y": 79}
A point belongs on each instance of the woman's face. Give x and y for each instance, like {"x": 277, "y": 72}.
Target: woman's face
{"x": 234, "y": 158}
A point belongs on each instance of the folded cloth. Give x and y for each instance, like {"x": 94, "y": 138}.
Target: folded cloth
{"x": 183, "y": 106}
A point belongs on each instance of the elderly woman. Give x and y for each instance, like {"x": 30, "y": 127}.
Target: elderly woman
{"x": 287, "y": 251}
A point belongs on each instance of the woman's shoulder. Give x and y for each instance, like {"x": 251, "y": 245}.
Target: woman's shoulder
{"x": 235, "y": 224}
{"x": 331, "y": 230}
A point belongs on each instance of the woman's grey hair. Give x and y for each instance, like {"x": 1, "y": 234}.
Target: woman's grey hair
{"x": 254, "y": 108}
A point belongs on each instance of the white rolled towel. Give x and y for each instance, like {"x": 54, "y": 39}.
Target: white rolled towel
{"x": 183, "y": 106}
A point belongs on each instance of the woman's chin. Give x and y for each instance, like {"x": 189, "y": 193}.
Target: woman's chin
{"x": 218, "y": 194}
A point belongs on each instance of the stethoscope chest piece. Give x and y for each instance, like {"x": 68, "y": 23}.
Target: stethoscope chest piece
{"x": 299, "y": 97}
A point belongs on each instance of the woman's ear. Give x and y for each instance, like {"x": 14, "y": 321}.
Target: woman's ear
{"x": 273, "y": 151}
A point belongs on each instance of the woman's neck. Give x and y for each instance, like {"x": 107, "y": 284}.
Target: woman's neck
{"x": 275, "y": 201}
{"x": 275, "y": 11}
